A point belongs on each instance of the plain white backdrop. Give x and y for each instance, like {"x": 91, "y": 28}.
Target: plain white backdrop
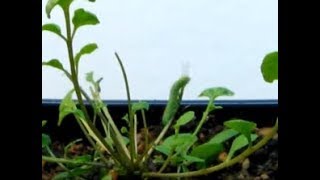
{"x": 216, "y": 42}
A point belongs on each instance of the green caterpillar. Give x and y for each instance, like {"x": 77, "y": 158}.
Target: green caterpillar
{"x": 174, "y": 99}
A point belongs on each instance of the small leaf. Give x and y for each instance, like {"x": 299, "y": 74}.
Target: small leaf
{"x": 54, "y": 28}
{"x": 163, "y": 149}
{"x": 83, "y": 159}
{"x": 87, "y": 49}
{"x": 215, "y": 92}
{"x": 126, "y": 118}
{"x": 238, "y": 143}
{"x": 192, "y": 159}
{"x": 184, "y": 119}
{"x": 124, "y": 130}
{"x": 269, "y": 67}
{"x": 66, "y": 107}
{"x": 82, "y": 18}
{"x": 207, "y": 151}
{"x": 242, "y": 126}
{"x": 140, "y": 106}
{"x": 44, "y": 122}
{"x": 178, "y": 142}
{"x": 223, "y": 136}
{"x": 54, "y": 63}
{"x": 46, "y": 141}
{"x": 89, "y": 77}
{"x": 50, "y": 5}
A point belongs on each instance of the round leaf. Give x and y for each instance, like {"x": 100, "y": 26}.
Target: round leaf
{"x": 238, "y": 143}
{"x": 223, "y": 136}
{"x": 269, "y": 67}
{"x": 215, "y": 92}
{"x": 54, "y": 28}
{"x": 82, "y": 18}
{"x": 207, "y": 151}
{"x": 184, "y": 119}
{"x": 140, "y": 106}
{"x": 242, "y": 126}
{"x": 46, "y": 141}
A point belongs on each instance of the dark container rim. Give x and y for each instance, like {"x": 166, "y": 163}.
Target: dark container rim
{"x": 225, "y": 103}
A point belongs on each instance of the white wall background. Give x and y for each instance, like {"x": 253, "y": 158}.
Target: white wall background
{"x": 222, "y": 41}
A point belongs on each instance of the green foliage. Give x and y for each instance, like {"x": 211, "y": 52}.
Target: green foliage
{"x": 269, "y": 67}
{"x": 118, "y": 153}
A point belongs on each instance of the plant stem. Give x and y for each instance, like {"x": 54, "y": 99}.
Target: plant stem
{"x": 220, "y": 166}
{"x": 167, "y": 161}
{"x": 131, "y": 120}
{"x": 161, "y": 135}
{"x": 53, "y": 156}
{"x": 146, "y": 131}
{"x": 74, "y": 77}
{"x": 204, "y": 117}
{"x": 68, "y": 161}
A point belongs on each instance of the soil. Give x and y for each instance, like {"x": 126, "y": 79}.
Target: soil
{"x": 262, "y": 165}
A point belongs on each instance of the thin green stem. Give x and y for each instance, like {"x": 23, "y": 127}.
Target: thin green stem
{"x": 167, "y": 161}
{"x": 53, "y": 156}
{"x": 156, "y": 142}
{"x": 220, "y": 166}
{"x": 131, "y": 120}
{"x": 68, "y": 161}
{"x": 146, "y": 131}
{"x": 203, "y": 119}
{"x": 74, "y": 77}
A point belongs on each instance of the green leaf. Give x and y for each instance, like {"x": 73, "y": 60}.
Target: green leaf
{"x": 46, "y": 141}
{"x": 89, "y": 77}
{"x": 107, "y": 177}
{"x": 50, "y": 5}
{"x": 54, "y": 28}
{"x": 126, "y": 118}
{"x": 269, "y": 67}
{"x": 96, "y": 85}
{"x": 82, "y": 18}
{"x": 44, "y": 122}
{"x": 215, "y": 92}
{"x": 177, "y": 142}
{"x": 163, "y": 149}
{"x": 140, "y": 106}
{"x": 83, "y": 159}
{"x": 66, "y": 107}
{"x": 223, "y": 136}
{"x": 123, "y": 130}
{"x": 55, "y": 63}
{"x": 87, "y": 49}
{"x": 207, "y": 151}
{"x": 184, "y": 119}
{"x": 125, "y": 140}
{"x": 192, "y": 159}
{"x": 238, "y": 143}
{"x": 242, "y": 126}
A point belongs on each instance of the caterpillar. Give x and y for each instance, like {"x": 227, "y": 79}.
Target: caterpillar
{"x": 174, "y": 99}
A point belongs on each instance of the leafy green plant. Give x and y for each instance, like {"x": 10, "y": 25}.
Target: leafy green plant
{"x": 115, "y": 148}
{"x": 269, "y": 67}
